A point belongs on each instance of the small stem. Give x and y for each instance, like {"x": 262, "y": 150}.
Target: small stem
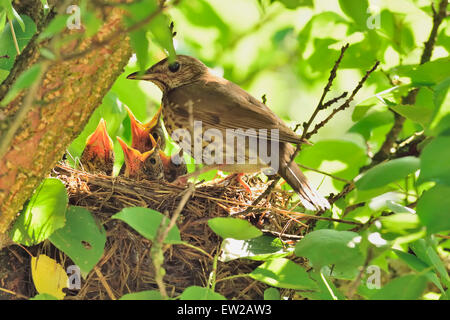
{"x": 16, "y": 44}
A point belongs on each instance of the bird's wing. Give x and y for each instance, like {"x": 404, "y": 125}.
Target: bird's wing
{"x": 224, "y": 105}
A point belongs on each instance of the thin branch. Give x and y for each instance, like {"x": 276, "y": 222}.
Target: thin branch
{"x": 438, "y": 17}
{"x": 325, "y": 173}
{"x": 111, "y": 37}
{"x": 327, "y": 88}
{"x": 410, "y": 99}
{"x": 343, "y": 106}
{"x": 16, "y": 44}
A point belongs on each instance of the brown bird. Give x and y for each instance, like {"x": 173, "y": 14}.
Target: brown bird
{"x": 139, "y": 166}
{"x": 140, "y": 132}
{"x": 192, "y": 92}
{"x": 173, "y": 167}
{"x": 98, "y": 155}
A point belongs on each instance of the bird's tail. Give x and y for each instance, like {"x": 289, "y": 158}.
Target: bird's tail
{"x": 309, "y": 197}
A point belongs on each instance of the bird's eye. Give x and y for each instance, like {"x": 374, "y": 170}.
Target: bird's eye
{"x": 152, "y": 161}
{"x": 174, "y": 67}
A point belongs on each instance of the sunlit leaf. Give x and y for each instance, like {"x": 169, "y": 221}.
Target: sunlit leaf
{"x": 44, "y": 213}
{"x": 283, "y": 273}
{"x": 260, "y": 248}
{"x": 387, "y": 172}
{"x": 234, "y": 228}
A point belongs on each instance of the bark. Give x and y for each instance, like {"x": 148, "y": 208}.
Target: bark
{"x": 68, "y": 93}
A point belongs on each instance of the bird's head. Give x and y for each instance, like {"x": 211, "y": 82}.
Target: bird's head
{"x": 168, "y": 76}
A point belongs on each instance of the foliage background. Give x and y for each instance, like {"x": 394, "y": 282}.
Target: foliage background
{"x": 285, "y": 50}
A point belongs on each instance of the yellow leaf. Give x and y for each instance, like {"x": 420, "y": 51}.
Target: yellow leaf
{"x": 48, "y": 276}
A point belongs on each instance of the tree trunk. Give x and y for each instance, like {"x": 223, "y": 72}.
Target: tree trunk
{"x": 64, "y": 99}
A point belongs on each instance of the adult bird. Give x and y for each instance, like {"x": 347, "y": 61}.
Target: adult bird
{"x": 98, "y": 155}
{"x": 191, "y": 92}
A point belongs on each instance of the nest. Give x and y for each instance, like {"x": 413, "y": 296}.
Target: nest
{"x": 126, "y": 266}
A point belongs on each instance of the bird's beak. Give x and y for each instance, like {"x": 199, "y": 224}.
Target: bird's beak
{"x": 99, "y": 141}
{"x": 165, "y": 159}
{"x": 139, "y": 75}
{"x": 155, "y": 120}
{"x": 139, "y": 132}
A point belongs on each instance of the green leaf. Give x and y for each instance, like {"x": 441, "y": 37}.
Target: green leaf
{"x": 433, "y": 209}
{"x": 18, "y": 18}
{"x": 408, "y": 287}
{"x": 339, "y": 249}
{"x": 387, "y": 172}
{"x": 143, "y": 295}
{"x": 25, "y": 80}
{"x": 375, "y": 119}
{"x": 44, "y": 213}
{"x": 351, "y": 154}
{"x": 234, "y": 228}
{"x": 7, "y": 46}
{"x": 426, "y": 74}
{"x": 425, "y": 250}
{"x": 44, "y": 296}
{"x": 434, "y": 161}
{"x": 55, "y": 26}
{"x": 82, "y": 239}
{"x": 283, "y": 273}
{"x": 272, "y": 294}
{"x": 294, "y": 4}
{"x": 357, "y": 10}
{"x": 147, "y": 222}
{"x": 401, "y": 223}
{"x": 139, "y": 42}
{"x": 260, "y": 248}
{"x": 200, "y": 293}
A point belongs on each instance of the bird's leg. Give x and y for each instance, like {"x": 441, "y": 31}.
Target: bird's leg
{"x": 241, "y": 181}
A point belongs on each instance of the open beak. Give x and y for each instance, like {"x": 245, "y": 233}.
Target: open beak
{"x": 99, "y": 141}
{"x": 155, "y": 120}
{"x": 140, "y": 134}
